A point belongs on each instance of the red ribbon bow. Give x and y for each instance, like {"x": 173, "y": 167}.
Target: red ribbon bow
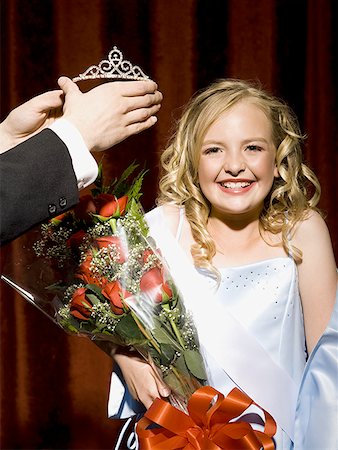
{"x": 207, "y": 427}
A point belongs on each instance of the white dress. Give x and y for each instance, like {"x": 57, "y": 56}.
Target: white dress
{"x": 264, "y": 299}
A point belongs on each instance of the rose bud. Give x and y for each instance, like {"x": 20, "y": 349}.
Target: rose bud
{"x": 85, "y": 207}
{"x": 152, "y": 283}
{"x": 167, "y": 289}
{"x": 58, "y": 219}
{"x": 113, "y": 292}
{"x": 80, "y": 306}
{"x": 108, "y": 205}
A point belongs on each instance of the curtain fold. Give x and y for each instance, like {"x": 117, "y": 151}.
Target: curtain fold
{"x": 54, "y": 387}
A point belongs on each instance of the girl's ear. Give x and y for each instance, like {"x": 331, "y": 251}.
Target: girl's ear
{"x": 275, "y": 172}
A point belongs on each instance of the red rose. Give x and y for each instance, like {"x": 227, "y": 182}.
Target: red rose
{"x": 114, "y": 292}
{"x": 76, "y": 238}
{"x": 80, "y": 306}
{"x": 153, "y": 284}
{"x": 85, "y": 207}
{"x": 105, "y": 241}
{"x": 108, "y": 205}
{"x": 86, "y": 275}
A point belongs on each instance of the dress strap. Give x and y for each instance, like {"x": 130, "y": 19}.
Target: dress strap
{"x": 289, "y": 238}
{"x": 180, "y": 224}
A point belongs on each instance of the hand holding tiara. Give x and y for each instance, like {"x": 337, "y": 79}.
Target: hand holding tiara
{"x": 115, "y": 67}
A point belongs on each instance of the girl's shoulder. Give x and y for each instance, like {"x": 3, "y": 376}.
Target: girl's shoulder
{"x": 312, "y": 238}
{"x": 311, "y": 228}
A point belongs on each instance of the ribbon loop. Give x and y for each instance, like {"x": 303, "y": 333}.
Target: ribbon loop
{"x": 212, "y": 424}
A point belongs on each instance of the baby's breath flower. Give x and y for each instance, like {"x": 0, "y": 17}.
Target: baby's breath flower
{"x": 68, "y": 293}
{"x": 64, "y": 313}
{"x": 99, "y": 229}
{"x": 103, "y": 317}
{"x": 106, "y": 263}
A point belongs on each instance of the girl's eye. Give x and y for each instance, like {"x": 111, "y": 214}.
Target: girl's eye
{"x": 254, "y": 148}
{"x": 211, "y": 150}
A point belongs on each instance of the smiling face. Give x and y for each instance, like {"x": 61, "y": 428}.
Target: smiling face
{"x": 237, "y": 161}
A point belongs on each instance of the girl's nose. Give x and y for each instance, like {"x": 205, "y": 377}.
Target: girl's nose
{"x": 234, "y": 164}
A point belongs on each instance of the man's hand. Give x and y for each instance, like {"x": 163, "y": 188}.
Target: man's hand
{"x": 30, "y": 118}
{"x": 110, "y": 112}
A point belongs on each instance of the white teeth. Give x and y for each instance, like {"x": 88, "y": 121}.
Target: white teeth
{"x": 233, "y": 185}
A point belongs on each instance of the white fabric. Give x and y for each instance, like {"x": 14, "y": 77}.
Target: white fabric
{"x": 84, "y": 165}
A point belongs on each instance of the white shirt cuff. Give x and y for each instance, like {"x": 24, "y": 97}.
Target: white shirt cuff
{"x": 84, "y": 164}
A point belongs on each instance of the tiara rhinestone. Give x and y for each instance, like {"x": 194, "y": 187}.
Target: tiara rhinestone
{"x": 114, "y": 67}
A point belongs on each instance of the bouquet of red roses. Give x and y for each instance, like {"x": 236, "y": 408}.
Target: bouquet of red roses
{"x": 110, "y": 283}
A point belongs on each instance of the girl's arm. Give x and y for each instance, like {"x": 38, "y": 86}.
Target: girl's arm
{"x": 317, "y": 276}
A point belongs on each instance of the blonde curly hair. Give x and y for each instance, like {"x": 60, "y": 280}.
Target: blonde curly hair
{"x": 293, "y": 194}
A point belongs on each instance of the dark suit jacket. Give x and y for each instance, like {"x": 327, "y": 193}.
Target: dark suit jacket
{"x": 37, "y": 181}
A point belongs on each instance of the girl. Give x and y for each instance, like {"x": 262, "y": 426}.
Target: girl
{"x": 237, "y": 212}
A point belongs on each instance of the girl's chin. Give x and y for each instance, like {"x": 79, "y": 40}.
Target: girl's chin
{"x": 235, "y": 210}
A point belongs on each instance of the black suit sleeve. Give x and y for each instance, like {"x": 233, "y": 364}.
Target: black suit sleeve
{"x": 37, "y": 181}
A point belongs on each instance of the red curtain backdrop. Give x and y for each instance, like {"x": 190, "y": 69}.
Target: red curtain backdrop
{"x": 54, "y": 387}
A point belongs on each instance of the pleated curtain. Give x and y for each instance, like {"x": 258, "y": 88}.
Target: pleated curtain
{"x": 54, "y": 387}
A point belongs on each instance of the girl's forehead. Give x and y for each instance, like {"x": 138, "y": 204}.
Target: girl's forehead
{"x": 244, "y": 113}
{"x": 214, "y": 110}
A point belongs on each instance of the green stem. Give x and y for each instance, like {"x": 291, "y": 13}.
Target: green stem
{"x": 112, "y": 223}
{"x": 146, "y": 334}
{"x": 177, "y": 333}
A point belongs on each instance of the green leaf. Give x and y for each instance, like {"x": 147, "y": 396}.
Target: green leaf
{"x": 152, "y": 352}
{"x": 135, "y": 189}
{"x": 93, "y": 298}
{"x": 161, "y": 335}
{"x": 175, "y": 384}
{"x": 128, "y": 330}
{"x": 98, "y": 182}
{"x": 99, "y": 328}
{"x": 181, "y": 366}
{"x": 167, "y": 354}
{"x": 195, "y": 363}
{"x": 71, "y": 328}
{"x": 135, "y": 210}
{"x": 121, "y": 186}
{"x": 100, "y": 218}
{"x": 71, "y": 324}
{"x": 97, "y": 291}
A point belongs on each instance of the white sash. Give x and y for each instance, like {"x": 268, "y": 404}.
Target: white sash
{"x": 246, "y": 361}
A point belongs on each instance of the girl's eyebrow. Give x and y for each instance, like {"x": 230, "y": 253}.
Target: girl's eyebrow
{"x": 260, "y": 139}
{"x": 245, "y": 141}
{"x": 213, "y": 142}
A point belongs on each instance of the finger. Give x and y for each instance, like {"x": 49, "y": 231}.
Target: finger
{"x": 46, "y": 101}
{"x": 134, "y": 88}
{"x": 138, "y": 127}
{"x": 67, "y": 85}
{"x": 147, "y": 398}
{"x": 162, "y": 388}
{"x": 144, "y": 101}
{"x": 141, "y": 115}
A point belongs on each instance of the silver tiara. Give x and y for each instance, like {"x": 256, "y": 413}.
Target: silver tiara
{"x": 114, "y": 67}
